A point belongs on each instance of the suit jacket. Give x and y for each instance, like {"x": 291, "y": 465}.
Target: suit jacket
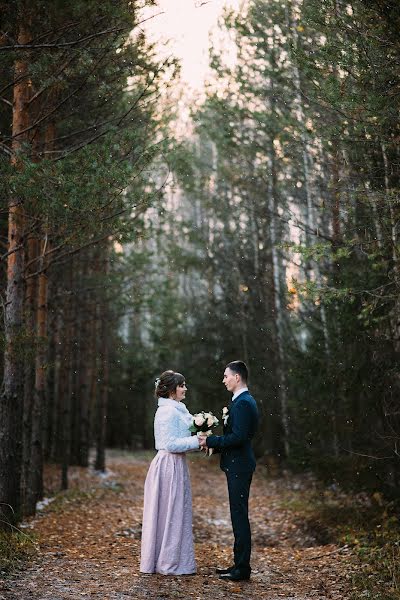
{"x": 237, "y": 455}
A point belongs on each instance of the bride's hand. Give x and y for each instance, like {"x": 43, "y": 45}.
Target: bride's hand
{"x": 202, "y": 442}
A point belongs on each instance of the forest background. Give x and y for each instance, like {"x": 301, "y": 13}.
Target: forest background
{"x": 266, "y": 230}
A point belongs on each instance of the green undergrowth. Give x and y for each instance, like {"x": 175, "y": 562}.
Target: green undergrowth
{"x": 367, "y": 524}
{"x": 15, "y": 549}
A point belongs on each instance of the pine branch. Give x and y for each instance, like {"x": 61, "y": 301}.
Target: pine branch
{"x": 64, "y": 44}
{"x": 79, "y": 41}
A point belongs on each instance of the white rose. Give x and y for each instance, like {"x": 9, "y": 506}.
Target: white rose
{"x": 199, "y": 420}
{"x": 225, "y": 411}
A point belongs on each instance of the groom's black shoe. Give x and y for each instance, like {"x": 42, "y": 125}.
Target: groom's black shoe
{"x": 224, "y": 571}
{"x": 235, "y": 575}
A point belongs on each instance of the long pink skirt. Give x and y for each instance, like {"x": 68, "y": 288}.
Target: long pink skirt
{"x": 167, "y": 536}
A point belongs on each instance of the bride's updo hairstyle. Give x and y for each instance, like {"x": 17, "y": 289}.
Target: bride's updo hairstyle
{"x": 167, "y": 383}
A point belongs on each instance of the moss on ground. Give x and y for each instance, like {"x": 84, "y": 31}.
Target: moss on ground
{"x": 366, "y": 523}
{"x": 15, "y": 549}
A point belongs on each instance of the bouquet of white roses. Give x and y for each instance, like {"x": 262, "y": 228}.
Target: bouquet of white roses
{"x": 203, "y": 423}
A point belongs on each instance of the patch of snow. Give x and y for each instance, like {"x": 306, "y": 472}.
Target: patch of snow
{"x": 103, "y": 474}
{"x": 41, "y": 505}
{"x": 217, "y": 522}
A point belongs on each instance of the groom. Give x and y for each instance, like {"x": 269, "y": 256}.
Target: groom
{"x": 238, "y": 462}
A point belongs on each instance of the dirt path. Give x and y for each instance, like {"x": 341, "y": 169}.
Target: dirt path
{"x": 90, "y": 543}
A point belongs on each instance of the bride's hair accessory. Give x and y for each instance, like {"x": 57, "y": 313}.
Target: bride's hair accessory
{"x": 157, "y": 383}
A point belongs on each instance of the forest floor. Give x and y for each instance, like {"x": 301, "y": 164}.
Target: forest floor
{"x": 88, "y": 540}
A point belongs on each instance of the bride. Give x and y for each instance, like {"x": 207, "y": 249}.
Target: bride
{"x": 167, "y": 537}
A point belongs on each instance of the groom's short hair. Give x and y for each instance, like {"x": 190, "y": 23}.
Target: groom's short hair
{"x": 239, "y": 367}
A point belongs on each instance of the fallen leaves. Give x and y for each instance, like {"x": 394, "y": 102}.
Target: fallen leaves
{"x": 90, "y": 543}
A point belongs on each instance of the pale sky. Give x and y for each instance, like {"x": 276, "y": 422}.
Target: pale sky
{"x": 187, "y": 23}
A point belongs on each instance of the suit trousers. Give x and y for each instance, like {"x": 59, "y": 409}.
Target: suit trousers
{"x": 239, "y": 489}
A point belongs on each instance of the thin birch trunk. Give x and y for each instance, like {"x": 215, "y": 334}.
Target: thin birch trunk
{"x": 278, "y": 292}
{"x": 336, "y": 235}
{"x": 277, "y": 276}
{"x": 393, "y": 231}
{"x": 311, "y": 224}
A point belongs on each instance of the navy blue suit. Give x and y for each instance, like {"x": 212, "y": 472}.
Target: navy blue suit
{"x": 238, "y": 462}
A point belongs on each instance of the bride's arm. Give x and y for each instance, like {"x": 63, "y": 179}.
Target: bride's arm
{"x": 167, "y": 433}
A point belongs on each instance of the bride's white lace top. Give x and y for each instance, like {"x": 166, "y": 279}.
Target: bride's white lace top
{"x": 171, "y": 427}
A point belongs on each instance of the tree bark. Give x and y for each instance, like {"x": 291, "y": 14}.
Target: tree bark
{"x": 85, "y": 374}
{"x": 312, "y": 269}
{"x": 103, "y": 395}
{"x": 54, "y": 417}
{"x": 36, "y": 472}
{"x": 278, "y": 292}
{"x": 12, "y": 396}
{"x": 277, "y": 277}
{"x": 65, "y": 398}
{"x": 29, "y": 383}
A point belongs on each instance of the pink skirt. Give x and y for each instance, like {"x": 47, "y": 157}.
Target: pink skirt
{"x": 167, "y": 536}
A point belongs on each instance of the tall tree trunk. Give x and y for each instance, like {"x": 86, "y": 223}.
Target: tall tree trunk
{"x": 56, "y": 405}
{"x": 85, "y": 372}
{"x": 77, "y": 363}
{"x": 312, "y": 269}
{"x": 36, "y": 473}
{"x": 100, "y": 464}
{"x": 392, "y": 213}
{"x": 93, "y": 375}
{"x": 277, "y": 275}
{"x": 29, "y": 383}
{"x": 278, "y": 293}
{"x": 50, "y": 377}
{"x": 35, "y": 478}
{"x": 336, "y": 240}
{"x": 12, "y": 396}
{"x": 65, "y": 397}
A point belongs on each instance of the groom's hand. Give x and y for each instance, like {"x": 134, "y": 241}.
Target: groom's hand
{"x": 203, "y": 442}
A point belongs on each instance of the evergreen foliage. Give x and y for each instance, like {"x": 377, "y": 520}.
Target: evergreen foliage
{"x": 285, "y": 245}
{"x": 81, "y": 126}
{"x": 269, "y": 233}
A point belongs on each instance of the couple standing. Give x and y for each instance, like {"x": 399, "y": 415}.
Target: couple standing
{"x": 167, "y": 537}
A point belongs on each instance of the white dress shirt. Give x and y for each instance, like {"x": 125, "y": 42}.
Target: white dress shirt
{"x": 236, "y": 394}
